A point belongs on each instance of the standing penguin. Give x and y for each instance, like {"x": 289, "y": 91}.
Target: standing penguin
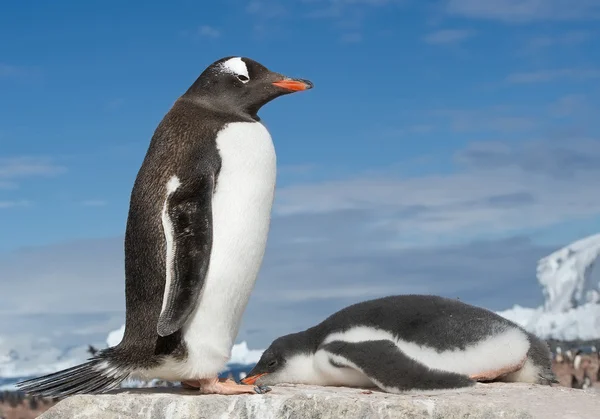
{"x": 196, "y": 234}
{"x": 403, "y": 343}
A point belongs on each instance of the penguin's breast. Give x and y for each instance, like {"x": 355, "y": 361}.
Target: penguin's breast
{"x": 241, "y": 211}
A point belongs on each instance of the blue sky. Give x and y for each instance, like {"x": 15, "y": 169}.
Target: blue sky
{"x": 446, "y": 146}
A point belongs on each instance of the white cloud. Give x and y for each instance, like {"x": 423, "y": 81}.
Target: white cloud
{"x": 85, "y": 277}
{"x": 266, "y": 9}
{"x": 20, "y": 167}
{"x": 544, "y": 76}
{"x": 13, "y": 204}
{"x": 208, "y": 31}
{"x": 351, "y": 38}
{"x": 12, "y": 170}
{"x": 7, "y": 70}
{"x": 568, "y": 105}
{"x": 515, "y": 11}
{"x": 448, "y": 36}
{"x": 7, "y": 185}
{"x": 569, "y": 38}
{"x": 498, "y": 188}
{"x": 94, "y": 203}
{"x": 493, "y": 119}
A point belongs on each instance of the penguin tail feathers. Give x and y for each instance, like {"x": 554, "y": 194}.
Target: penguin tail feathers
{"x": 98, "y": 375}
{"x": 540, "y": 356}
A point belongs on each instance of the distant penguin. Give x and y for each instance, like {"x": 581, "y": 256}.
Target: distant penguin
{"x": 196, "y": 233}
{"x": 587, "y": 382}
{"x": 569, "y": 355}
{"x": 559, "y": 356}
{"x": 577, "y": 355}
{"x": 404, "y": 343}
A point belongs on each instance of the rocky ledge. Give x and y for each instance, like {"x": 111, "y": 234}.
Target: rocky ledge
{"x": 495, "y": 400}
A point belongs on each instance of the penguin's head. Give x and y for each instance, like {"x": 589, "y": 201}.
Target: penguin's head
{"x": 240, "y": 84}
{"x": 288, "y": 359}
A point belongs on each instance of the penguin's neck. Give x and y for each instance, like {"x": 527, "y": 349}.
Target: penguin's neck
{"x": 220, "y": 106}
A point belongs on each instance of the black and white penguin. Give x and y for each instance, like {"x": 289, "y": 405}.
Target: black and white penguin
{"x": 196, "y": 232}
{"x": 404, "y": 343}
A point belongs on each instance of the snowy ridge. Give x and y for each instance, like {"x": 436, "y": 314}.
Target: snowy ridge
{"x": 567, "y": 275}
{"x": 28, "y": 358}
{"x": 240, "y": 354}
{"x": 571, "y": 288}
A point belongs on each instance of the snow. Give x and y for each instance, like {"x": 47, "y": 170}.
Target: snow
{"x": 567, "y": 276}
{"x": 519, "y": 315}
{"x": 571, "y": 288}
{"x": 578, "y": 323}
{"x": 240, "y": 353}
{"x": 26, "y": 356}
{"x": 114, "y": 337}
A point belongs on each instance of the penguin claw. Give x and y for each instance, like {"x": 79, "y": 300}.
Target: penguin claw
{"x": 262, "y": 389}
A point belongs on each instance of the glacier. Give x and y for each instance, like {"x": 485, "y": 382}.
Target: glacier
{"x": 570, "y": 282}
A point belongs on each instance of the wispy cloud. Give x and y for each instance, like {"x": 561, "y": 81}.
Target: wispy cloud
{"x": 7, "y": 70}
{"x": 566, "y": 39}
{"x": 494, "y": 119}
{"x": 544, "y": 76}
{"x": 568, "y": 105}
{"x": 498, "y": 187}
{"x": 10, "y": 71}
{"x": 94, "y": 203}
{"x": 115, "y": 104}
{"x": 351, "y": 38}
{"x": 20, "y": 167}
{"x": 266, "y": 9}
{"x": 208, "y": 32}
{"x": 4, "y": 184}
{"x": 520, "y": 11}
{"x": 13, "y": 204}
{"x": 448, "y": 36}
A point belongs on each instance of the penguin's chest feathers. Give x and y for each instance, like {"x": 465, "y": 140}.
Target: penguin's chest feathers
{"x": 241, "y": 211}
{"x": 242, "y": 199}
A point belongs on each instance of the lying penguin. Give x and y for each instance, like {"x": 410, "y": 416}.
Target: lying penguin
{"x": 403, "y": 343}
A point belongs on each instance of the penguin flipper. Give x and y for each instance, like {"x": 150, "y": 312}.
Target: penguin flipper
{"x": 187, "y": 220}
{"x": 391, "y": 369}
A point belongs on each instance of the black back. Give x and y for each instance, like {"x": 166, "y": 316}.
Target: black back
{"x": 183, "y": 144}
{"x": 436, "y": 322}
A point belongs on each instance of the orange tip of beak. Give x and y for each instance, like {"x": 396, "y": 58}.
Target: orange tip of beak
{"x": 252, "y": 379}
{"x": 294, "y": 85}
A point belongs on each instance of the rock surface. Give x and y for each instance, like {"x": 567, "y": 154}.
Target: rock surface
{"x": 495, "y": 400}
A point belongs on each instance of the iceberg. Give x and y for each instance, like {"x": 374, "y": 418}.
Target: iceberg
{"x": 570, "y": 282}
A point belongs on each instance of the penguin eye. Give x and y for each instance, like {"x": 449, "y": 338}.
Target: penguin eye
{"x": 272, "y": 363}
{"x": 243, "y": 78}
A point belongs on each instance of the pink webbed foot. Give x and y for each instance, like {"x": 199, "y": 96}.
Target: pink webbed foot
{"x": 223, "y": 386}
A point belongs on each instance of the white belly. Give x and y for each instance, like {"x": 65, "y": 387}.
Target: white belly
{"x": 241, "y": 209}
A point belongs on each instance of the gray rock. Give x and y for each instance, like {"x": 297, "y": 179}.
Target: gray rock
{"x": 495, "y": 400}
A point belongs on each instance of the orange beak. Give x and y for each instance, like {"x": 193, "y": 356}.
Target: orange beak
{"x": 293, "y": 85}
{"x": 252, "y": 379}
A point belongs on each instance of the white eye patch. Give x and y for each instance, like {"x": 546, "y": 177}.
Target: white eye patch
{"x": 238, "y": 67}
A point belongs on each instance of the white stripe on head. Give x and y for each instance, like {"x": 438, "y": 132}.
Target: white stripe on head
{"x": 235, "y": 66}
